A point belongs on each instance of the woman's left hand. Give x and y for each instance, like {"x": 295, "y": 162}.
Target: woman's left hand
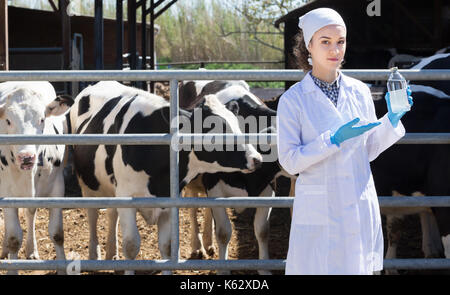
{"x": 395, "y": 117}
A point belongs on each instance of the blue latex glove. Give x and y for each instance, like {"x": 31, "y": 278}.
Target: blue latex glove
{"x": 395, "y": 117}
{"x": 347, "y": 131}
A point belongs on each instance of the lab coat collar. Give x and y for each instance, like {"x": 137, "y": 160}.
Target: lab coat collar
{"x": 324, "y": 83}
{"x": 310, "y": 86}
{"x": 345, "y": 86}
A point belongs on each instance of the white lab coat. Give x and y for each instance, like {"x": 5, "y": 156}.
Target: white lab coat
{"x": 336, "y": 224}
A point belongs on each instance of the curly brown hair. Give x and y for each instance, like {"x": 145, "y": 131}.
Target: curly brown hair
{"x": 300, "y": 53}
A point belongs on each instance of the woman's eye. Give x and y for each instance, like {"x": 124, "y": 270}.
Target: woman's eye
{"x": 8, "y": 122}
{"x": 341, "y": 42}
{"x": 325, "y": 42}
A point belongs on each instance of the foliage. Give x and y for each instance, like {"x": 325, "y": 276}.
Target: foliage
{"x": 207, "y": 30}
{"x": 217, "y": 31}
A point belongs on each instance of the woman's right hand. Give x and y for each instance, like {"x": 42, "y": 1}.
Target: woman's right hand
{"x": 347, "y": 131}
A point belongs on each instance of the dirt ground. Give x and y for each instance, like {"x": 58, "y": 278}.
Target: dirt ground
{"x": 243, "y": 243}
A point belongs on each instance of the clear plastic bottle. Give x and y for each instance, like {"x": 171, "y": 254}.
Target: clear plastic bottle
{"x": 396, "y": 86}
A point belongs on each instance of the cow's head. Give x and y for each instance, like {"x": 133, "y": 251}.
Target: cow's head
{"x": 22, "y": 112}
{"x": 211, "y": 116}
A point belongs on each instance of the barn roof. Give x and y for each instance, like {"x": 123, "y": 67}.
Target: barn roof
{"x": 409, "y": 28}
{"x": 297, "y": 12}
{"x": 416, "y": 26}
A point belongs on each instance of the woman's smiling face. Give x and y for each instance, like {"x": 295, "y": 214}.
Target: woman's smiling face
{"x": 327, "y": 47}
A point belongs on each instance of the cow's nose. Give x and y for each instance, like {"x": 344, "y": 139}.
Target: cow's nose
{"x": 26, "y": 160}
{"x": 257, "y": 163}
{"x": 26, "y": 157}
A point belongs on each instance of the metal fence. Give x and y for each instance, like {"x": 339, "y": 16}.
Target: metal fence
{"x": 175, "y": 202}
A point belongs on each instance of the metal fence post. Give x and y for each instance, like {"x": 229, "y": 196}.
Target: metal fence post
{"x": 174, "y": 172}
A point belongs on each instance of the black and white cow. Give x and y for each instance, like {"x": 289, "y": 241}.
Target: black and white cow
{"x": 31, "y": 108}
{"x": 143, "y": 171}
{"x": 255, "y": 117}
{"x": 419, "y": 169}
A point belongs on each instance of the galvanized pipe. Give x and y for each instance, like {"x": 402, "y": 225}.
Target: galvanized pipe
{"x": 95, "y": 265}
{"x": 186, "y": 139}
{"x": 87, "y": 139}
{"x": 231, "y": 202}
{"x": 137, "y": 202}
{"x": 429, "y": 201}
{"x": 167, "y": 75}
{"x": 241, "y": 264}
{"x": 425, "y": 138}
{"x": 417, "y": 263}
{"x": 174, "y": 171}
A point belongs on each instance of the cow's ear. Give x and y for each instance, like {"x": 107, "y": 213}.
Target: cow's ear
{"x": 59, "y": 106}
{"x": 233, "y": 106}
{"x": 187, "y": 95}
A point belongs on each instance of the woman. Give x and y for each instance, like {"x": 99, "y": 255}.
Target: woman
{"x": 336, "y": 224}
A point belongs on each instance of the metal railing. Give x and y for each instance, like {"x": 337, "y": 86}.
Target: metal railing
{"x": 180, "y": 75}
{"x": 174, "y": 202}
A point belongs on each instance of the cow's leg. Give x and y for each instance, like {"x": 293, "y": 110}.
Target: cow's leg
{"x": 112, "y": 252}
{"x": 92, "y": 213}
{"x": 56, "y": 232}
{"x": 262, "y": 230}
{"x": 94, "y": 247}
{"x": 31, "y": 251}
{"x": 442, "y": 220}
{"x": 131, "y": 239}
{"x": 261, "y": 226}
{"x": 393, "y": 229}
{"x": 55, "y": 226}
{"x": 223, "y": 233}
{"x": 197, "y": 249}
{"x": 195, "y": 189}
{"x": 431, "y": 239}
{"x": 14, "y": 234}
{"x": 164, "y": 239}
{"x": 4, "y": 243}
{"x": 207, "y": 232}
{"x": 446, "y": 243}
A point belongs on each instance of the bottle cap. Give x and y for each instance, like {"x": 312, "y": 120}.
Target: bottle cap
{"x": 394, "y": 69}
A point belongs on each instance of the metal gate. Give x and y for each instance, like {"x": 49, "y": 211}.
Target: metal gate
{"x": 175, "y": 202}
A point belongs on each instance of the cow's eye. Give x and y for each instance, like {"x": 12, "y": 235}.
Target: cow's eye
{"x": 8, "y": 122}
{"x": 42, "y": 121}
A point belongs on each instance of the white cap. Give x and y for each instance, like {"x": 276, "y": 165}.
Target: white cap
{"x": 316, "y": 19}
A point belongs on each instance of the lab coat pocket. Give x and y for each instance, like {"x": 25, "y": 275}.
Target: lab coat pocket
{"x": 310, "y": 205}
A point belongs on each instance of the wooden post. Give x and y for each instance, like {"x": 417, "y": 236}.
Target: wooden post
{"x": 65, "y": 34}
{"x": 290, "y": 30}
{"x": 4, "y": 48}
{"x": 144, "y": 84}
{"x": 152, "y": 42}
{"x": 132, "y": 33}
{"x": 66, "y": 41}
{"x": 132, "y": 37}
{"x": 119, "y": 34}
{"x": 98, "y": 35}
